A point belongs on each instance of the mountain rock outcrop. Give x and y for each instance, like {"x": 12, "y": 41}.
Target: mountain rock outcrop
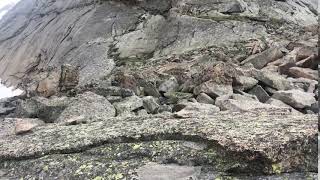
{"x": 167, "y": 89}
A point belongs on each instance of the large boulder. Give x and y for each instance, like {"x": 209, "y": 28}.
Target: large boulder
{"x": 89, "y": 105}
{"x": 295, "y": 98}
{"x": 298, "y": 72}
{"x": 262, "y": 59}
{"x": 129, "y": 144}
{"x": 127, "y": 105}
{"x": 213, "y": 89}
{"x": 193, "y": 109}
{"x": 47, "y": 109}
{"x": 273, "y": 80}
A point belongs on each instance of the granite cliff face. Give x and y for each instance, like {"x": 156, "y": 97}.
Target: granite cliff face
{"x": 160, "y": 89}
{"x": 39, "y": 36}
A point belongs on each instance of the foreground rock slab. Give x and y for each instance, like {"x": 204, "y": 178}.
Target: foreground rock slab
{"x": 246, "y": 143}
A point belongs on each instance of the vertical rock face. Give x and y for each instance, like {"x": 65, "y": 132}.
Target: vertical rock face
{"x": 36, "y": 37}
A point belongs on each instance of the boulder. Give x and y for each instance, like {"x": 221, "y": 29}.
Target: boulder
{"x": 216, "y": 143}
{"x": 175, "y": 97}
{"x": 106, "y": 91}
{"x": 150, "y": 104}
{"x": 305, "y": 52}
{"x": 170, "y": 85}
{"x": 193, "y": 109}
{"x": 295, "y": 98}
{"x": 69, "y": 77}
{"x": 6, "y": 110}
{"x": 23, "y": 126}
{"x": 204, "y": 98}
{"x": 244, "y": 83}
{"x": 273, "y": 80}
{"x": 129, "y": 104}
{"x": 309, "y": 62}
{"x": 213, "y": 89}
{"x": 298, "y": 72}
{"x": 279, "y": 103}
{"x": 262, "y": 59}
{"x": 89, "y": 105}
{"x": 243, "y": 105}
{"x": 47, "y": 109}
{"x": 260, "y": 93}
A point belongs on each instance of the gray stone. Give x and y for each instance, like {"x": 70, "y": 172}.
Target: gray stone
{"x": 46, "y": 109}
{"x": 23, "y": 126}
{"x": 243, "y": 105}
{"x": 204, "y": 98}
{"x": 244, "y": 96}
{"x": 262, "y": 59}
{"x": 192, "y": 109}
{"x": 160, "y": 171}
{"x": 55, "y": 149}
{"x": 89, "y": 105}
{"x": 170, "y": 85}
{"x": 298, "y": 72}
{"x": 244, "y": 83}
{"x": 128, "y": 105}
{"x": 165, "y": 109}
{"x": 279, "y": 103}
{"x": 6, "y": 110}
{"x": 114, "y": 99}
{"x": 150, "y": 104}
{"x": 274, "y": 80}
{"x": 69, "y": 77}
{"x": 295, "y": 98}
{"x": 261, "y": 94}
{"x": 213, "y": 89}
{"x": 175, "y": 97}
{"x": 106, "y": 91}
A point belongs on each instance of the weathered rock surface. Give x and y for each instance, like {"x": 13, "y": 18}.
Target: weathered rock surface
{"x": 89, "y": 105}
{"x": 128, "y": 105}
{"x": 128, "y": 145}
{"x": 93, "y": 60}
{"x": 295, "y": 98}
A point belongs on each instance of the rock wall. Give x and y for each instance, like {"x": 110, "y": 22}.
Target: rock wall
{"x": 38, "y": 36}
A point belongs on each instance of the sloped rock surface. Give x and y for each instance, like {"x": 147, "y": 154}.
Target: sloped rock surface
{"x": 231, "y": 142}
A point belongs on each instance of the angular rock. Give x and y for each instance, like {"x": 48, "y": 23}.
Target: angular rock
{"x": 244, "y": 96}
{"x": 298, "y": 72}
{"x": 23, "y": 126}
{"x": 170, "y": 85}
{"x": 193, "y": 109}
{"x": 46, "y": 109}
{"x": 310, "y": 62}
{"x": 213, "y": 89}
{"x": 69, "y": 77}
{"x": 165, "y": 108}
{"x": 175, "y": 97}
{"x": 244, "y": 83}
{"x": 6, "y": 110}
{"x": 305, "y": 52}
{"x": 89, "y": 105}
{"x": 260, "y": 93}
{"x": 128, "y": 105}
{"x": 204, "y": 98}
{"x": 295, "y": 98}
{"x": 106, "y": 91}
{"x": 279, "y": 103}
{"x": 150, "y": 104}
{"x": 243, "y": 105}
{"x": 273, "y": 80}
{"x": 262, "y": 59}
{"x": 114, "y": 99}
{"x": 75, "y": 120}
